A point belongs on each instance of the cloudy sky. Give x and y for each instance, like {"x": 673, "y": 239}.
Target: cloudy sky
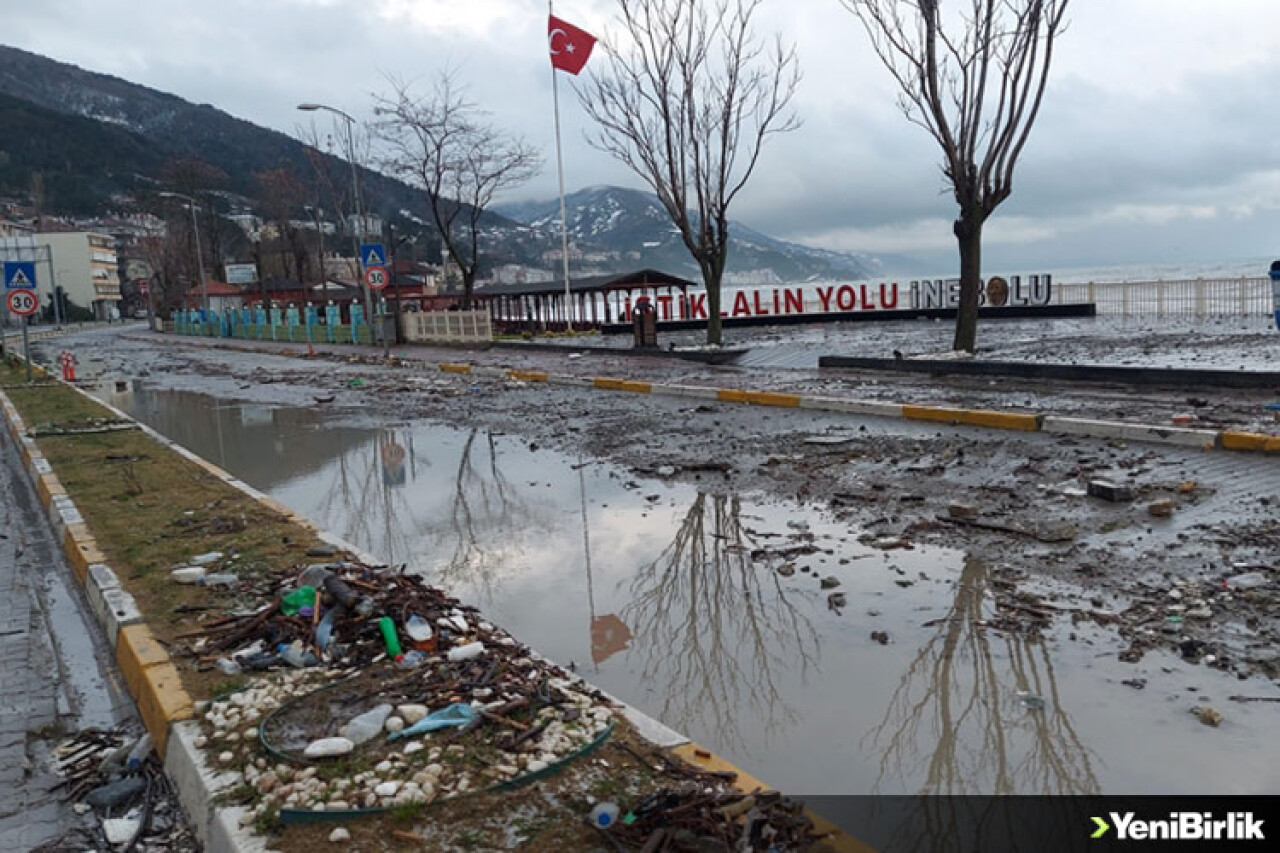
{"x": 1159, "y": 139}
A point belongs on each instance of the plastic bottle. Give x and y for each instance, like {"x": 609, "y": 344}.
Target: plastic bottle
{"x": 139, "y": 753}
{"x": 341, "y": 592}
{"x": 366, "y": 726}
{"x": 324, "y": 631}
{"x": 206, "y": 559}
{"x": 604, "y": 815}
{"x": 411, "y": 660}
{"x": 187, "y": 574}
{"x": 295, "y": 655}
{"x": 467, "y": 652}
{"x": 419, "y": 631}
{"x": 220, "y": 579}
{"x": 228, "y": 666}
{"x": 388, "y": 628}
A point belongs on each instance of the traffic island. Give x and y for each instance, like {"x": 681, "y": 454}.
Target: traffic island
{"x": 298, "y": 690}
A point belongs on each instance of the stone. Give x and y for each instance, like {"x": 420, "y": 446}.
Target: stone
{"x": 830, "y": 582}
{"x": 534, "y": 766}
{"x": 121, "y": 830}
{"x": 339, "y": 835}
{"x": 1208, "y": 716}
{"x": 787, "y": 569}
{"x": 1109, "y": 491}
{"x": 968, "y": 512}
{"x": 382, "y": 767}
{"x": 226, "y": 757}
{"x": 387, "y": 789}
{"x": 412, "y": 713}
{"x": 413, "y": 747}
{"x": 1160, "y": 509}
{"x": 393, "y": 724}
{"x": 836, "y": 600}
{"x": 881, "y": 637}
{"x": 329, "y": 746}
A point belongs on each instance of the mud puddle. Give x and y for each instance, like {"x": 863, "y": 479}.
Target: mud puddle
{"x": 707, "y": 610}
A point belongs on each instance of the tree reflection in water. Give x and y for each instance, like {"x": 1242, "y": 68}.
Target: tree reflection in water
{"x": 715, "y": 629}
{"x": 959, "y": 718}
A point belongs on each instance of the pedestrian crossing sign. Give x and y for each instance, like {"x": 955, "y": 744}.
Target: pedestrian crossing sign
{"x": 19, "y": 275}
{"x": 373, "y": 255}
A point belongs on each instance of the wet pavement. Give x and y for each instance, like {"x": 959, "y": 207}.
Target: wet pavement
{"x": 56, "y": 674}
{"x": 703, "y": 605}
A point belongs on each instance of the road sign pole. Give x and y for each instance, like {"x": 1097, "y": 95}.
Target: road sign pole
{"x": 26, "y": 346}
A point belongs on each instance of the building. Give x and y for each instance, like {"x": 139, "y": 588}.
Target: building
{"x": 85, "y": 267}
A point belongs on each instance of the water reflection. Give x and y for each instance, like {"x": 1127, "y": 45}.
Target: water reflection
{"x": 716, "y": 630}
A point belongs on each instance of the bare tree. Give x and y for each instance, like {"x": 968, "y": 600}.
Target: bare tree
{"x": 687, "y": 104}
{"x": 974, "y": 79}
{"x": 442, "y": 143}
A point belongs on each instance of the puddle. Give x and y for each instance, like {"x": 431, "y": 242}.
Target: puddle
{"x": 671, "y": 598}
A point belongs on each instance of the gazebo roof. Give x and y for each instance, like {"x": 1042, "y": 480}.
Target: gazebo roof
{"x": 591, "y": 284}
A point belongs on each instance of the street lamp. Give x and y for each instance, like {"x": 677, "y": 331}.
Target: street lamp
{"x": 195, "y": 228}
{"x": 355, "y": 191}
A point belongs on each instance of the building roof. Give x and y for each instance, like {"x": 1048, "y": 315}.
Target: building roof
{"x": 591, "y": 284}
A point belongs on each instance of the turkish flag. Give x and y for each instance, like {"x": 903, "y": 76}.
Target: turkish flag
{"x": 570, "y": 47}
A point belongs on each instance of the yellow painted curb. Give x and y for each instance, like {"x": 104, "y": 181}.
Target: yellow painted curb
{"x": 1252, "y": 441}
{"x": 758, "y": 398}
{"x": 1273, "y": 445}
{"x": 622, "y": 385}
{"x": 162, "y": 701}
{"x": 973, "y": 417}
{"x": 81, "y": 550}
{"x": 455, "y": 368}
{"x": 731, "y": 395}
{"x": 47, "y": 487}
{"x": 527, "y": 375}
{"x": 136, "y": 650}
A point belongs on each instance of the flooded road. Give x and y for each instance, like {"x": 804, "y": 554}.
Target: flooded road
{"x": 707, "y": 610}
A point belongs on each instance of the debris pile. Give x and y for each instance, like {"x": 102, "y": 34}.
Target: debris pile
{"x": 419, "y": 697}
{"x": 121, "y": 781}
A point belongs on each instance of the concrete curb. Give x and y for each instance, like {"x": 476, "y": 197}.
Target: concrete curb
{"x": 156, "y": 686}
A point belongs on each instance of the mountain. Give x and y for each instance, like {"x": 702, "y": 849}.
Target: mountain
{"x": 619, "y": 228}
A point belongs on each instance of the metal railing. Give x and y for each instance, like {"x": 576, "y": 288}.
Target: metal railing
{"x": 1197, "y": 297}
{"x": 454, "y": 327}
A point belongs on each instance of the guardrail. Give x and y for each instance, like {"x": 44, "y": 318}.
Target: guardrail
{"x": 1198, "y": 297}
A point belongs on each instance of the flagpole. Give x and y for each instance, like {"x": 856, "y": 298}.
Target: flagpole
{"x": 564, "y": 221}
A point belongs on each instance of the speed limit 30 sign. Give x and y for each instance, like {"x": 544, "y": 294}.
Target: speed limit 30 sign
{"x": 22, "y": 302}
{"x": 375, "y": 277}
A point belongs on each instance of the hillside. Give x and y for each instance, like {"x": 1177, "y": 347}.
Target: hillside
{"x": 630, "y": 228}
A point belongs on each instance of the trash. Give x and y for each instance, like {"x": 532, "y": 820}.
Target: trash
{"x": 343, "y": 593}
{"x": 1248, "y": 580}
{"x": 187, "y": 574}
{"x": 329, "y": 747}
{"x": 314, "y": 575}
{"x": 456, "y": 715}
{"x": 355, "y": 383}
{"x": 220, "y": 579}
{"x": 297, "y": 655}
{"x": 1208, "y": 716}
{"x": 367, "y": 725}
{"x": 115, "y": 793}
{"x": 419, "y": 631}
{"x": 955, "y": 509}
{"x": 206, "y": 559}
{"x": 228, "y": 666}
{"x": 470, "y": 650}
{"x": 388, "y": 628}
{"x": 293, "y": 602}
{"x": 1160, "y": 509}
{"x": 139, "y": 752}
{"x": 1109, "y": 491}
{"x": 1030, "y": 701}
{"x": 324, "y": 631}
{"x": 121, "y": 830}
{"x": 411, "y": 659}
{"x": 604, "y": 815}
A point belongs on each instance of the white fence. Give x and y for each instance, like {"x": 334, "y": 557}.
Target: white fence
{"x": 1193, "y": 297}
{"x": 450, "y": 327}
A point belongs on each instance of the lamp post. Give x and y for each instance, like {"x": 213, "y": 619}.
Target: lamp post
{"x": 355, "y": 191}
{"x": 195, "y": 228}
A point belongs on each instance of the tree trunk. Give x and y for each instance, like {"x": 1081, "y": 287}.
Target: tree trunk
{"x": 468, "y": 283}
{"x": 968, "y": 231}
{"x": 711, "y": 276}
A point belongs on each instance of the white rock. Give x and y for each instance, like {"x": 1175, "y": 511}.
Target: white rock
{"x": 393, "y": 724}
{"x": 339, "y": 806}
{"x": 413, "y": 747}
{"x": 340, "y": 834}
{"x": 200, "y": 742}
{"x": 226, "y": 757}
{"x": 383, "y": 767}
{"x": 387, "y": 789}
{"x": 412, "y": 713}
{"x": 81, "y": 808}
{"x": 328, "y": 746}
{"x": 536, "y": 765}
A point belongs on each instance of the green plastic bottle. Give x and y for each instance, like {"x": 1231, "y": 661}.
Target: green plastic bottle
{"x": 388, "y": 628}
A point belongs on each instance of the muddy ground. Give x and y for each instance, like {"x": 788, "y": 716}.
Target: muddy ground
{"x": 1201, "y": 582}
